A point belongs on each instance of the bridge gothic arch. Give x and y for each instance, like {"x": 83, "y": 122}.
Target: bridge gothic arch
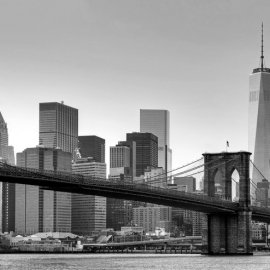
{"x": 227, "y": 163}
{"x": 235, "y": 184}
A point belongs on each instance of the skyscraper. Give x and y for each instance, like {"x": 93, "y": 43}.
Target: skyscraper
{"x": 92, "y": 146}
{"x": 6, "y": 151}
{"x": 259, "y": 120}
{"x": 7, "y": 190}
{"x": 58, "y": 126}
{"x": 88, "y": 211}
{"x": 157, "y": 122}
{"x": 38, "y": 210}
{"x": 123, "y": 168}
{"x": 146, "y": 150}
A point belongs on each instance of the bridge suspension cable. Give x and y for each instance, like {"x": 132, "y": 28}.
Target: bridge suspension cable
{"x": 257, "y": 169}
{"x": 210, "y": 168}
{"x": 164, "y": 179}
{"x": 181, "y": 167}
{"x": 238, "y": 187}
{"x": 156, "y": 181}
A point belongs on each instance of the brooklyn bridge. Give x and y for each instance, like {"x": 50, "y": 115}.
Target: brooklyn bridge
{"x": 227, "y": 223}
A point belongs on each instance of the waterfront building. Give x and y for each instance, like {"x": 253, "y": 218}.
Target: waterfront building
{"x": 92, "y": 146}
{"x": 146, "y": 150}
{"x": 259, "y": 232}
{"x": 7, "y": 190}
{"x": 259, "y": 121}
{"x": 152, "y": 217}
{"x": 88, "y": 211}
{"x": 197, "y": 223}
{"x": 157, "y": 122}
{"x": 38, "y": 210}
{"x": 58, "y": 126}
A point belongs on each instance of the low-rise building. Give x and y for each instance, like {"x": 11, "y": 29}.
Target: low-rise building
{"x": 151, "y": 217}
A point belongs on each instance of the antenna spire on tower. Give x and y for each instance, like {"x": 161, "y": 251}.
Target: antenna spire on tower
{"x": 262, "y": 67}
{"x": 262, "y": 57}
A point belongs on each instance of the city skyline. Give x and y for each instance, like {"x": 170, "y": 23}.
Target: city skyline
{"x": 191, "y": 68}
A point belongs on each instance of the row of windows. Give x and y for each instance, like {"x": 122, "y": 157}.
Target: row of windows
{"x": 256, "y": 95}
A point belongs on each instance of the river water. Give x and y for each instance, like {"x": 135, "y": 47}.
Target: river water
{"x": 132, "y": 261}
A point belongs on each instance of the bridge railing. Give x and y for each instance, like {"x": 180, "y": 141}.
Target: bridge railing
{"x": 87, "y": 181}
{"x": 113, "y": 183}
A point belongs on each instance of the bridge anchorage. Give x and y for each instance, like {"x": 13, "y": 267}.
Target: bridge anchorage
{"x": 228, "y": 233}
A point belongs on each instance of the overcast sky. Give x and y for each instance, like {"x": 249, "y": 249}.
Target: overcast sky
{"x": 111, "y": 58}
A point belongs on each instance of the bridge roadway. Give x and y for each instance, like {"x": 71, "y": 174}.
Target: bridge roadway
{"x": 75, "y": 183}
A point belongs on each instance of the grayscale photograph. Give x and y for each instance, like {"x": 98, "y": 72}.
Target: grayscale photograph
{"x": 134, "y": 134}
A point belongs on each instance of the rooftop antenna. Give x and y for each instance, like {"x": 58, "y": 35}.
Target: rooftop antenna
{"x": 262, "y": 57}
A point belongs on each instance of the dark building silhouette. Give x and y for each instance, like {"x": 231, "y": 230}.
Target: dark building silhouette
{"x": 146, "y": 150}
{"x": 92, "y": 146}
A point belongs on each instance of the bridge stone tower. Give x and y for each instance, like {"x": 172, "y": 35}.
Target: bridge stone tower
{"x": 228, "y": 233}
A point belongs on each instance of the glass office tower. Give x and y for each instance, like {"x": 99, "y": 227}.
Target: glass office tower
{"x": 259, "y": 122}
{"x": 58, "y": 126}
{"x": 146, "y": 150}
{"x": 157, "y": 122}
{"x": 92, "y": 146}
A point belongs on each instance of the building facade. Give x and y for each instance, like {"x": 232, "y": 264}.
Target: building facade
{"x": 58, "y": 126}
{"x": 152, "y": 217}
{"x": 155, "y": 177}
{"x": 146, "y": 150}
{"x": 262, "y": 193}
{"x": 157, "y": 122}
{"x": 122, "y": 168}
{"x": 185, "y": 222}
{"x": 38, "y": 210}
{"x": 92, "y": 146}
{"x": 259, "y": 122}
{"x": 7, "y": 190}
{"x": 88, "y": 211}
{"x": 188, "y": 182}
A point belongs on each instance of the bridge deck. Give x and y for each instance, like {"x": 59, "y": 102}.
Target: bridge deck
{"x": 76, "y": 183}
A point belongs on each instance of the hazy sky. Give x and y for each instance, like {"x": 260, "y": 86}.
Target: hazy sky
{"x": 111, "y": 58}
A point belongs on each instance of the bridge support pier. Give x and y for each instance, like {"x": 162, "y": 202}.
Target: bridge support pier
{"x": 228, "y": 234}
